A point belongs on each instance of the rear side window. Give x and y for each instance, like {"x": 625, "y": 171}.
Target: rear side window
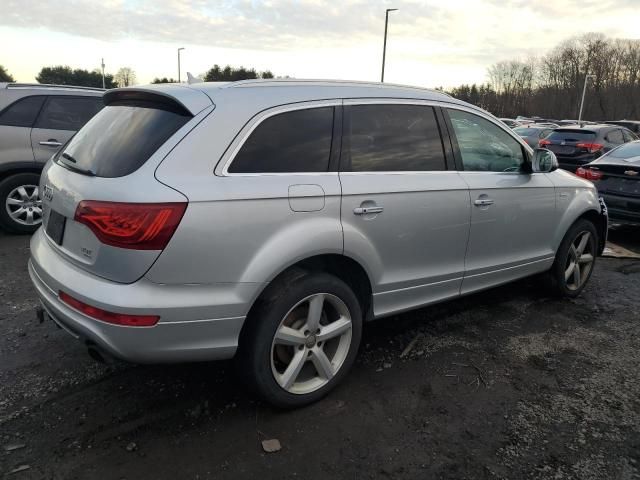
{"x": 121, "y": 138}
{"x": 572, "y": 135}
{"x": 389, "y": 138}
{"x": 296, "y": 141}
{"x": 22, "y": 113}
{"x": 68, "y": 113}
{"x": 615, "y": 136}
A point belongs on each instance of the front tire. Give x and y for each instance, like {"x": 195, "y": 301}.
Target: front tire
{"x": 20, "y": 205}
{"x": 575, "y": 259}
{"x": 301, "y": 339}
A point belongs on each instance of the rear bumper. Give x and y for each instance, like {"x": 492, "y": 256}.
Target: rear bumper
{"x": 197, "y": 322}
{"x": 622, "y": 209}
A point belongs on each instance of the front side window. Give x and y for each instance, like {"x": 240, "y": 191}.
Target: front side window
{"x": 394, "y": 138}
{"x": 22, "y": 113}
{"x": 68, "y": 113}
{"x": 289, "y": 142}
{"x": 485, "y": 147}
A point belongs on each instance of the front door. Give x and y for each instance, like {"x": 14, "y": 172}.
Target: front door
{"x": 404, "y": 215}
{"x": 512, "y": 211}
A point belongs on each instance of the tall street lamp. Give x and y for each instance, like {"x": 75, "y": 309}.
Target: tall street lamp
{"x": 384, "y": 48}
{"x": 584, "y": 90}
{"x": 181, "y": 48}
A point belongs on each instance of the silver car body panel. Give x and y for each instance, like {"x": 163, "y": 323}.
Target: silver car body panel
{"x": 431, "y": 242}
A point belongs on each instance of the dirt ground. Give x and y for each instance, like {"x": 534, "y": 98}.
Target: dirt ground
{"x": 510, "y": 383}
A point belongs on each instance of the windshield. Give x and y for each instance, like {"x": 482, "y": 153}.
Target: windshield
{"x": 120, "y": 139}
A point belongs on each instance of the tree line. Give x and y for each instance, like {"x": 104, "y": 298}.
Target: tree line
{"x": 551, "y": 86}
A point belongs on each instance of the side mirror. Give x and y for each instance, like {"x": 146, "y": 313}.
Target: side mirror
{"x": 544, "y": 161}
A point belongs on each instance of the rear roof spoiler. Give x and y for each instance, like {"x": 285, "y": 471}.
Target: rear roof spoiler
{"x": 182, "y": 99}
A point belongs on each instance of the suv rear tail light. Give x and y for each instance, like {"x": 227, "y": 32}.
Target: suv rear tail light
{"x": 591, "y": 147}
{"x": 109, "y": 317}
{"x": 544, "y": 143}
{"x": 137, "y": 226}
{"x": 589, "y": 174}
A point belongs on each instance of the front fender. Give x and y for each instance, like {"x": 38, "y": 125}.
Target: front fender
{"x": 573, "y": 203}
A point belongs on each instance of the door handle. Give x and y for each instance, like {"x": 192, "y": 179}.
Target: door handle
{"x": 51, "y": 143}
{"x": 365, "y": 210}
{"x": 483, "y": 202}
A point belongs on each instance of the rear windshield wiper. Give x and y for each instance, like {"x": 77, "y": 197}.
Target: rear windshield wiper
{"x": 73, "y": 168}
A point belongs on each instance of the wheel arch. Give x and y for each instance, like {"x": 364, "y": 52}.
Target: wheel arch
{"x": 346, "y": 268}
{"x": 14, "y": 168}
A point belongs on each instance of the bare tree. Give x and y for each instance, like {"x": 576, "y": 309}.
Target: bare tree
{"x": 125, "y": 77}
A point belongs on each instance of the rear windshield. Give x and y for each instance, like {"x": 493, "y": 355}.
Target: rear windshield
{"x": 572, "y": 135}
{"x": 121, "y": 138}
{"x": 626, "y": 151}
{"x": 526, "y": 131}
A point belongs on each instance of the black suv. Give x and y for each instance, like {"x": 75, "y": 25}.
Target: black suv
{"x": 577, "y": 146}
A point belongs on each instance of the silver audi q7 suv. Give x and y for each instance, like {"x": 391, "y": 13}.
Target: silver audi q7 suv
{"x": 270, "y": 220}
{"x": 35, "y": 121}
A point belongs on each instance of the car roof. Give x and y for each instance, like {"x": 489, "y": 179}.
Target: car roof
{"x": 262, "y": 94}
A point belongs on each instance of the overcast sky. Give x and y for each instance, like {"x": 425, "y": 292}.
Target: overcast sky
{"x": 431, "y": 42}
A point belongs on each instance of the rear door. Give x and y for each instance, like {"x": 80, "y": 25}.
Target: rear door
{"x": 405, "y": 215}
{"x": 59, "y": 119}
{"x": 513, "y": 215}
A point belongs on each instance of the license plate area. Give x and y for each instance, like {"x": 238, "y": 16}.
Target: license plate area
{"x": 55, "y": 226}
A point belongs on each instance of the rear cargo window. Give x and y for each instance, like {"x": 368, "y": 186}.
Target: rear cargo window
{"x": 121, "y": 138}
{"x": 572, "y": 135}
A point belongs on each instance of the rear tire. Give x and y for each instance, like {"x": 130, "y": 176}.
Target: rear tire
{"x": 20, "y": 205}
{"x": 301, "y": 339}
{"x": 575, "y": 259}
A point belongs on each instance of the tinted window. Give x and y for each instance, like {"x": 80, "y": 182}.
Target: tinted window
{"x": 120, "y": 138}
{"x": 68, "y": 113}
{"x": 627, "y": 151}
{"x": 22, "y": 113}
{"x": 394, "y": 138}
{"x": 615, "y": 136}
{"x": 297, "y": 141}
{"x": 572, "y": 135}
{"x": 545, "y": 133}
{"x": 628, "y": 136}
{"x": 483, "y": 145}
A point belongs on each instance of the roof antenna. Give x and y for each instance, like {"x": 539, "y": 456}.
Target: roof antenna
{"x": 191, "y": 79}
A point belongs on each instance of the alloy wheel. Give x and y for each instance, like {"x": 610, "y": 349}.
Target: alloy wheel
{"x": 311, "y": 343}
{"x": 579, "y": 261}
{"x": 24, "y": 206}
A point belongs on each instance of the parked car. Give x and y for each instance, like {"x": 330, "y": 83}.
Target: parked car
{"x": 632, "y": 125}
{"x": 268, "y": 220}
{"x": 35, "y": 121}
{"x": 617, "y": 176}
{"x": 576, "y": 146}
{"x": 510, "y": 122}
{"x": 532, "y": 134}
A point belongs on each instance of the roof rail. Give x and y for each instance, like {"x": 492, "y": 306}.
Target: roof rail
{"x": 292, "y": 81}
{"x": 46, "y": 85}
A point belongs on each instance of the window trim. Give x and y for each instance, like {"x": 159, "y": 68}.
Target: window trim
{"x": 46, "y": 103}
{"x": 527, "y": 151}
{"x": 222, "y": 167}
{"x": 2, "y": 112}
{"x": 345, "y": 160}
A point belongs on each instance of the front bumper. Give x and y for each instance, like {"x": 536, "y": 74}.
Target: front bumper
{"x": 197, "y": 322}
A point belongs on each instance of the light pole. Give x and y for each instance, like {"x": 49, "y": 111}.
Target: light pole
{"x": 584, "y": 90}
{"x": 384, "y": 48}
{"x": 181, "y": 48}
{"x": 102, "y": 64}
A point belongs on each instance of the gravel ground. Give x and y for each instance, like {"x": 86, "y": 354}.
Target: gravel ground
{"x": 510, "y": 383}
